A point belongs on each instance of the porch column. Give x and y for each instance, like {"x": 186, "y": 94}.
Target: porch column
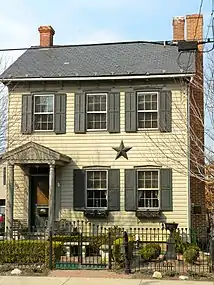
{"x": 51, "y": 196}
{"x": 10, "y": 199}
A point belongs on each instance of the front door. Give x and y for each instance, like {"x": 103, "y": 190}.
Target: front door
{"x": 39, "y": 200}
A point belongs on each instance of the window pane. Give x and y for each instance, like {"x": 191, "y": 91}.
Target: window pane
{"x": 103, "y": 203}
{"x": 90, "y": 194}
{"x": 155, "y": 179}
{"x": 43, "y": 104}
{"x": 148, "y": 179}
{"x": 141, "y": 105}
{"x": 90, "y": 203}
{"x": 140, "y": 179}
{"x": 147, "y": 120}
{"x": 96, "y": 174}
{"x": 147, "y": 101}
{"x": 97, "y": 194}
{"x": 148, "y": 199}
{"x": 96, "y": 103}
{"x": 43, "y": 122}
{"x": 148, "y": 183}
{"x": 90, "y": 184}
{"x": 96, "y": 121}
{"x": 96, "y": 180}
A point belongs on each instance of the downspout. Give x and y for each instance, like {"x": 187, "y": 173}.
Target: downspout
{"x": 189, "y": 205}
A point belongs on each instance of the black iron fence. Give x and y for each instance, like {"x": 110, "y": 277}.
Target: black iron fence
{"x": 79, "y": 245}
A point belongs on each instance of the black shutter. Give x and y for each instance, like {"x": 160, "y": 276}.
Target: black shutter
{"x": 114, "y": 190}
{"x": 130, "y": 112}
{"x": 130, "y": 190}
{"x": 80, "y": 113}
{"x": 114, "y": 112}
{"x": 60, "y": 113}
{"x": 165, "y": 111}
{"x": 79, "y": 189}
{"x": 27, "y": 114}
{"x": 166, "y": 203}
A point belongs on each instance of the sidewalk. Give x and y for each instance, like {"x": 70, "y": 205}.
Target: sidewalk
{"x": 8, "y": 280}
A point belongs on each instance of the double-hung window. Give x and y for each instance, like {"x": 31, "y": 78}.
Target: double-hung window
{"x": 148, "y": 189}
{"x": 96, "y": 188}
{"x": 44, "y": 112}
{"x": 147, "y": 110}
{"x": 96, "y": 111}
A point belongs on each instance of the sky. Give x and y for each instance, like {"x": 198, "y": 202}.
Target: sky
{"x": 84, "y": 21}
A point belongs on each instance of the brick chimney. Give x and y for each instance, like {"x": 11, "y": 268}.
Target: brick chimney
{"x": 178, "y": 28}
{"x": 194, "y": 28}
{"x": 46, "y": 36}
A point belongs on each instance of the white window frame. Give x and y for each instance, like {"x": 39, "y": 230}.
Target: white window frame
{"x": 149, "y": 189}
{"x": 42, "y": 113}
{"x": 148, "y": 111}
{"x": 4, "y": 176}
{"x": 96, "y": 112}
{"x": 99, "y": 189}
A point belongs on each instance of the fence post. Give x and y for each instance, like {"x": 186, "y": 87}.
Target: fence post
{"x": 109, "y": 251}
{"x": 212, "y": 251}
{"x": 51, "y": 250}
{"x": 127, "y": 268}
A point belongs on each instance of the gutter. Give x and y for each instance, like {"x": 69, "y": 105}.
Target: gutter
{"x": 97, "y": 77}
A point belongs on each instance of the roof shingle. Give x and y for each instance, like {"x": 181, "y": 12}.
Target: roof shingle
{"x": 117, "y": 59}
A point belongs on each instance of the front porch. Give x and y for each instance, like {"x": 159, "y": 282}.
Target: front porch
{"x": 39, "y": 165}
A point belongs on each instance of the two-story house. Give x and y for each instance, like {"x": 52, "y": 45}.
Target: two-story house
{"x": 100, "y": 132}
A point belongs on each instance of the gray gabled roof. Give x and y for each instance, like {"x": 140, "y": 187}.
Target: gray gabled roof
{"x": 117, "y": 59}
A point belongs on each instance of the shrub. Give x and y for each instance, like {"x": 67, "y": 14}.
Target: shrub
{"x": 180, "y": 246}
{"x": 191, "y": 254}
{"x": 28, "y": 252}
{"x": 194, "y": 246}
{"x": 150, "y": 251}
{"x": 117, "y": 252}
{"x": 171, "y": 273}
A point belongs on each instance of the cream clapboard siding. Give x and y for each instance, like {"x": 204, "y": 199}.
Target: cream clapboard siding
{"x": 95, "y": 148}
{"x": 2, "y": 186}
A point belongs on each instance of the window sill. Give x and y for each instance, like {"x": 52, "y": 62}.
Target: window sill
{"x": 149, "y": 213}
{"x": 43, "y": 132}
{"x": 96, "y": 131}
{"x": 96, "y": 213}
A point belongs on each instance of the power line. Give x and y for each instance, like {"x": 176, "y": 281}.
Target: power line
{"x": 211, "y": 24}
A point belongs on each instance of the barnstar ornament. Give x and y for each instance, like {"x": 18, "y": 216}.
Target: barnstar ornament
{"x": 121, "y": 150}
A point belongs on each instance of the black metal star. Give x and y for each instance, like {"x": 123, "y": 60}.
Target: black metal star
{"x": 122, "y": 150}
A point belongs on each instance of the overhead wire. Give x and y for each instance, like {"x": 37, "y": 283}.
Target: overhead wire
{"x": 211, "y": 24}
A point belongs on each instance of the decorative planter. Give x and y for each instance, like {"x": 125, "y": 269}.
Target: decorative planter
{"x": 148, "y": 214}
{"x": 96, "y": 214}
{"x": 171, "y": 226}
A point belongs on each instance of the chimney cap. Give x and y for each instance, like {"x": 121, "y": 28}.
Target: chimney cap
{"x": 179, "y": 18}
{"x": 46, "y": 29}
{"x": 193, "y": 16}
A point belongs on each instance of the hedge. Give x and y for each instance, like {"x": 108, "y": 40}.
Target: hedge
{"x": 28, "y": 252}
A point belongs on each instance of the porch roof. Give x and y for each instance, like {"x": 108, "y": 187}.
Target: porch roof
{"x": 31, "y": 152}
